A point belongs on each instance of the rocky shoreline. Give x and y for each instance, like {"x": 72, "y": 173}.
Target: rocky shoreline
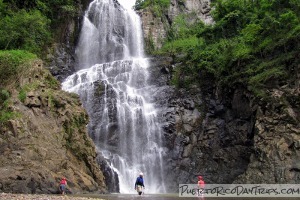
{"x": 9, "y": 196}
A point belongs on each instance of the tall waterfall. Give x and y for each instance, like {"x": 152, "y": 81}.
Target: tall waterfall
{"x": 112, "y": 83}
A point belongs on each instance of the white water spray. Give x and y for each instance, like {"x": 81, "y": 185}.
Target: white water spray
{"x": 112, "y": 84}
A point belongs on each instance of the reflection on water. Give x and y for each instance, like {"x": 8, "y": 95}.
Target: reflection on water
{"x": 170, "y": 197}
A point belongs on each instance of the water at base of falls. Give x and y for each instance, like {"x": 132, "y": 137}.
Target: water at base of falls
{"x": 112, "y": 83}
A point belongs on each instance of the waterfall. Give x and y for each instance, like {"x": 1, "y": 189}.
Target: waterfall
{"x": 112, "y": 83}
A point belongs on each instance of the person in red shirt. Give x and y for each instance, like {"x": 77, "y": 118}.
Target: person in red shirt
{"x": 201, "y": 186}
{"x": 63, "y": 185}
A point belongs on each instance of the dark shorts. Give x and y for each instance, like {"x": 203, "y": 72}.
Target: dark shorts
{"x": 62, "y": 187}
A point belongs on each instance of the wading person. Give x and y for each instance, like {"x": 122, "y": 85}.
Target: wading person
{"x": 201, "y": 187}
{"x": 139, "y": 184}
{"x": 63, "y": 186}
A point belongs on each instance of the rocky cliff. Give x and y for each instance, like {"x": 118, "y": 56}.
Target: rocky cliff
{"x": 206, "y": 132}
{"x": 60, "y": 56}
{"x": 156, "y": 27}
{"x": 275, "y": 156}
{"x": 227, "y": 135}
{"x": 47, "y": 139}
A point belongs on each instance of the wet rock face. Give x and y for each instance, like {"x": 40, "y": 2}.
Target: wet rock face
{"x": 61, "y": 61}
{"x": 60, "y": 57}
{"x": 204, "y": 135}
{"x": 209, "y": 140}
{"x": 227, "y": 136}
{"x": 111, "y": 176}
{"x": 276, "y": 140}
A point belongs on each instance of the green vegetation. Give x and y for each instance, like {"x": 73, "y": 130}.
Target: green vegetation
{"x": 52, "y": 82}
{"x": 156, "y": 6}
{"x": 252, "y": 42}
{"x": 75, "y": 136}
{"x": 25, "y": 89}
{"x": 4, "y": 95}
{"x": 22, "y": 95}
{"x": 5, "y": 112}
{"x": 29, "y": 24}
{"x": 12, "y": 63}
{"x": 27, "y": 28}
{"x": 149, "y": 45}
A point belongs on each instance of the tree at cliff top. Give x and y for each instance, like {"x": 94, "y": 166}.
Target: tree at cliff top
{"x": 46, "y": 126}
{"x": 157, "y": 6}
{"x": 25, "y": 32}
{"x": 30, "y": 24}
{"x": 254, "y": 43}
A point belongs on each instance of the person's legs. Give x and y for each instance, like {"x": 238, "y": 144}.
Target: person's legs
{"x": 139, "y": 190}
{"x": 62, "y": 189}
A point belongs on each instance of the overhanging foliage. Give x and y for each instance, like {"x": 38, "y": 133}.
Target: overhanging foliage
{"x": 252, "y": 42}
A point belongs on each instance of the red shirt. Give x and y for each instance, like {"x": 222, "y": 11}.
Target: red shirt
{"x": 201, "y": 183}
{"x": 63, "y": 182}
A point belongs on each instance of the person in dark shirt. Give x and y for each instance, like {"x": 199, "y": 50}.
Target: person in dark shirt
{"x": 139, "y": 184}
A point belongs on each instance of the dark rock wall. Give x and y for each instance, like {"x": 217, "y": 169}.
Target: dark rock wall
{"x": 61, "y": 61}
{"x": 60, "y": 57}
{"x": 276, "y": 154}
{"x": 227, "y": 135}
{"x": 111, "y": 176}
{"x": 206, "y": 132}
{"x": 224, "y": 135}
{"x": 212, "y": 132}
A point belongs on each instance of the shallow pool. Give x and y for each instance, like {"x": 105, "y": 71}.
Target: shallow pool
{"x": 170, "y": 197}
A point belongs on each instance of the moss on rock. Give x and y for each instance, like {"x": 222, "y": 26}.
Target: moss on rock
{"x": 47, "y": 140}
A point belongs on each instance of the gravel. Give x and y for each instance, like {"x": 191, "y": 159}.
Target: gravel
{"x": 8, "y": 196}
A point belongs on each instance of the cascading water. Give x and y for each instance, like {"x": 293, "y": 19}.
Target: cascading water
{"x": 112, "y": 84}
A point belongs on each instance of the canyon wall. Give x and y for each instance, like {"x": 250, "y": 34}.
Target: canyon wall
{"x": 47, "y": 140}
{"x": 227, "y": 136}
{"x": 156, "y": 27}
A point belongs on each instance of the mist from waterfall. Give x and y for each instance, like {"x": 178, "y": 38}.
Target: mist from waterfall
{"x": 112, "y": 83}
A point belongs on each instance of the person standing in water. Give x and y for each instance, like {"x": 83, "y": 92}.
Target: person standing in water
{"x": 139, "y": 184}
{"x": 201, "y": 187}
{"x": 63, "y": 185}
